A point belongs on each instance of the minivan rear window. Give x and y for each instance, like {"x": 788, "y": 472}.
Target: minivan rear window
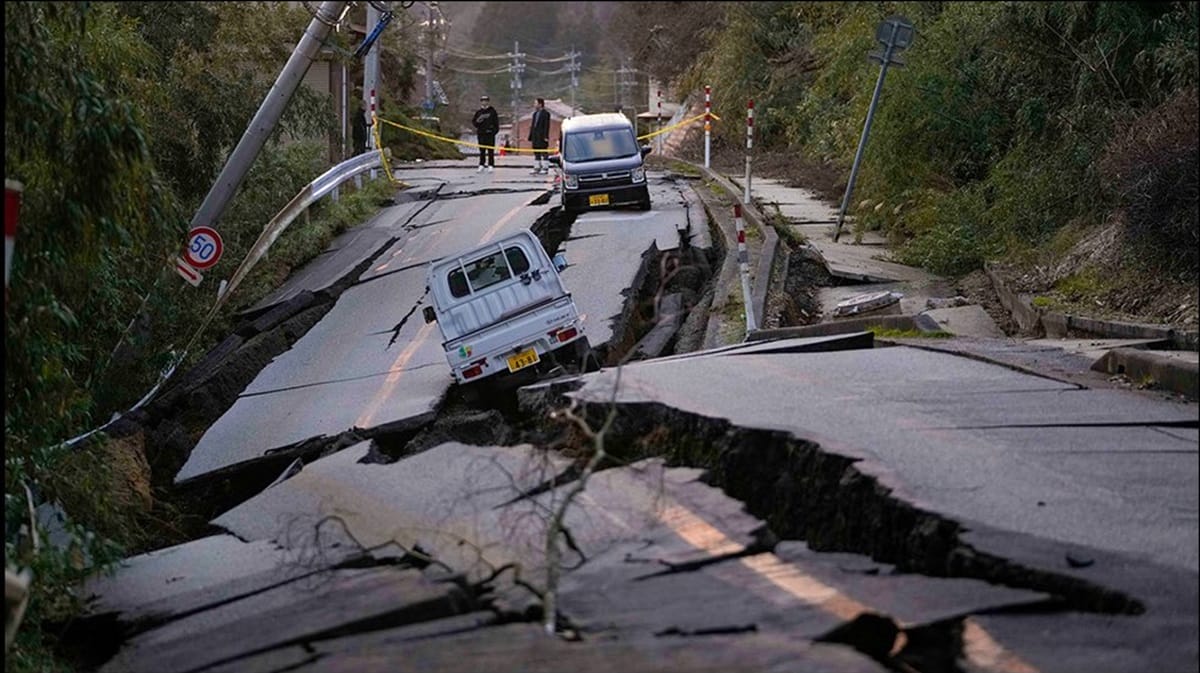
{"x": 487, "y": 271}
{"x": 599, "y": 145}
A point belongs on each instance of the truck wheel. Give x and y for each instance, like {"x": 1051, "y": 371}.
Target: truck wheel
{"x": 588, "y": 362}
{"x": 644, "y": 205}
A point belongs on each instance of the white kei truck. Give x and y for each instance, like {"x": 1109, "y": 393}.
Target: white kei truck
{"x": 504, "y": 313}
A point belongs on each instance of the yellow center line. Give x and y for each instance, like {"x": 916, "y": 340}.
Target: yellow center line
{"x": 397, "y": 370}
{"x": 983, "y": 651}
{"x": 500, "y": 223}
{"x": 978, "y": 645}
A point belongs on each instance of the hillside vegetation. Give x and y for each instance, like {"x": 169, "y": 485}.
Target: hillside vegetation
{"x": 1058, "y": 137}
{"x": 117, "y": 119}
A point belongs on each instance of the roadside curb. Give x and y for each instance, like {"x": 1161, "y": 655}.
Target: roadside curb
{"x": 906, "y": 323}
{"x": 766, "y": 260}
{"x": 725, "y": 276}
{"x": 1139, "y": 365}
{"x": 1057, "y": 325}
{"x": 1169, "y": 373}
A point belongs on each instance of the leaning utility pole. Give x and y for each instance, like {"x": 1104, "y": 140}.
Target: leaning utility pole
{"x": 895, "y": 33}
{"x": 263, "y": 124}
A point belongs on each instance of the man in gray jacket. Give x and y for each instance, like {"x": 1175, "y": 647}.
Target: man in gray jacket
{"x": 539, "y": 135}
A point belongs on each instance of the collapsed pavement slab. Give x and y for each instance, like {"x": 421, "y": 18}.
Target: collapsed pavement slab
{"x": 333, "y": 603}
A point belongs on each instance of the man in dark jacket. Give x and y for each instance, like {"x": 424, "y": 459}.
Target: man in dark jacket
{"x": 539, "y": 135}
{"x": 487, "y": 125}
{"x": 358, "y": 129}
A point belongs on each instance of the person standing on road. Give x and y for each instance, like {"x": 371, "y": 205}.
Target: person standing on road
{"x": 487, "y": 125}
{"x": 539, "y": 135}
{"x": 358, "y": 130}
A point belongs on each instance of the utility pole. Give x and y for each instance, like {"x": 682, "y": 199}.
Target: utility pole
{"x": 574, "y": 67}
{"x": 617, "y": 86}
{"x": 269, "y": 112}
{"x": 628, "y": 86}
{"x": 517, "y": 67}
{"x": 371, "y": 80}
{"x": 431, "y": 36}
{"x": 627, "y": 83}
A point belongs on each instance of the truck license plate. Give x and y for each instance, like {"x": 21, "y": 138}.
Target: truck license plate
{"x": 598, "y": 200}
{"x": 522, "y": 360}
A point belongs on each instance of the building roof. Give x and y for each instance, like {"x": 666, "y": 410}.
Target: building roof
{"x": 557, "y": 108}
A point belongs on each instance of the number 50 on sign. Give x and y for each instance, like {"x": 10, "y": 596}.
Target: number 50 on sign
{"x": 203, "y": 247}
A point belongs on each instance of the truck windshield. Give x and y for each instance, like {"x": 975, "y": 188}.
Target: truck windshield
{"x": 487, "y": 271}
{"x": 599, "y": 145}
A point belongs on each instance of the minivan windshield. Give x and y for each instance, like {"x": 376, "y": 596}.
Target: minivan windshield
{"x": 599, "y": 145}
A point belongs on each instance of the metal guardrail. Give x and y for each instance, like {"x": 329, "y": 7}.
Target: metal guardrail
{"x": 327, "y": 182}
{"x": 322, "y": 185}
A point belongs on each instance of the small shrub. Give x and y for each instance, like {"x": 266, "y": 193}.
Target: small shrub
{"x": 1152, "y": 166}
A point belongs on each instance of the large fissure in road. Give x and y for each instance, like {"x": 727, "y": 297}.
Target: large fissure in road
{"x": 804, "y": 492}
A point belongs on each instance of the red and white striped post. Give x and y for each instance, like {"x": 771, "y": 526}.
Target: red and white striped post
{"x": 372, "y": 122}
{"x": 749, "y": 146}
{"x": 744, "y": 267}
{"x": 12, "y": 208}
{"x": 371, "y": 132}
{"x": 707, "y": 125}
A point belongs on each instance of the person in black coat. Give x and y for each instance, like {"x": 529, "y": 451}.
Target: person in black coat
{"x": 539, "y": 135}
{"x": 358, "y": 129}
{"x": 487, "y": 125}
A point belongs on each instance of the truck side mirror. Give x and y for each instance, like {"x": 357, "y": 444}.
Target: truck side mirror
{"x": 560, "y": 262}
{"x": 555, "y": 159}
{"x": 646, "y": 149}
{"x": 430, "y": 315}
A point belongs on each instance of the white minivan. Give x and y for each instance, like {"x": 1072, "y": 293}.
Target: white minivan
{"x": 503, "y": 311}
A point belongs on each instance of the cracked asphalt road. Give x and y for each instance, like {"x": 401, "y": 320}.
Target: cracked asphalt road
{"x": 345, "y": 373}
{"x": 427, "y": 563}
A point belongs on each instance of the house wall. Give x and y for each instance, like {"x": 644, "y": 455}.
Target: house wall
{"x": 523, "y": 132}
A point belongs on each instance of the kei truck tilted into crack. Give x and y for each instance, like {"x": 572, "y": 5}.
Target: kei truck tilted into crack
{"x": 504, "y": 313}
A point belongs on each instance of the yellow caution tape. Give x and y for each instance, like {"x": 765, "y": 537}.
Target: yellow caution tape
{"x": 675, "y": 126}
{"x": 383, "y": 154}
{"x": 456, "y": 141}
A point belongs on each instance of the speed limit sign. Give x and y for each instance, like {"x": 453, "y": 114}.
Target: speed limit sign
{"x": 203, "y": 247}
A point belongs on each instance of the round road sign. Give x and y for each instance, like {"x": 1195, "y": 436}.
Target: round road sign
{"x": 203, "y": 247}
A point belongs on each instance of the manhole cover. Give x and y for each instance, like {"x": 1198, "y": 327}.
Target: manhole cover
{"x": 865, "y": 303}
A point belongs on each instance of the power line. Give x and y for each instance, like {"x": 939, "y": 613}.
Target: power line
{"x": 557, "y": 59}
{"x": 479, "y": 57}
{"x": 467, "y": 71}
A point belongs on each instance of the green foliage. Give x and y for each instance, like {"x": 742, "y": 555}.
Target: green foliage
{"x": 888, "y": 333}
{"x": 988, "y": 141}
{"x": 405, "y": 145}
{"x": 204, "y": 93}
{"x": 118, "y": 117}
{"x": 307, "y": 237}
